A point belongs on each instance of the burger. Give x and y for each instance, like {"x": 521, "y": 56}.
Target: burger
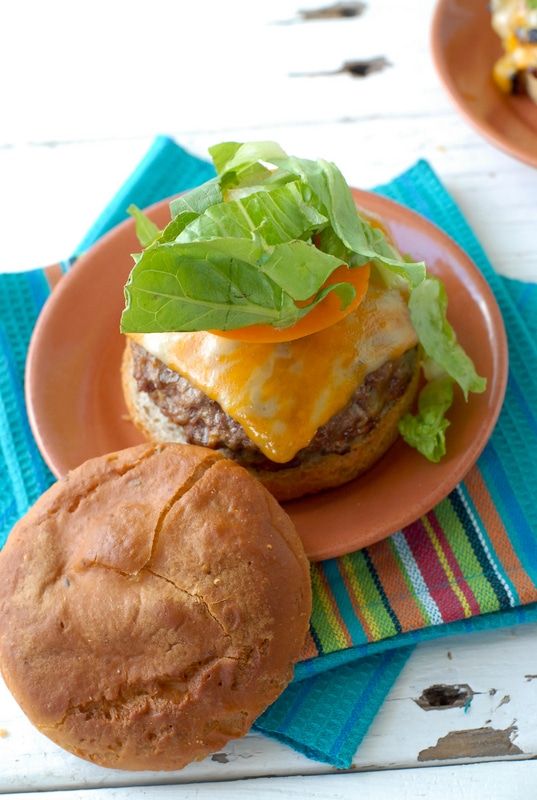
{"x": 274, "y": 321}
{"x": 515, "y": 22}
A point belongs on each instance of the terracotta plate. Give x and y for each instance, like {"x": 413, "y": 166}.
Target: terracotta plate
{"x": 464, "y": 48}
{"x": 76, "y": 406}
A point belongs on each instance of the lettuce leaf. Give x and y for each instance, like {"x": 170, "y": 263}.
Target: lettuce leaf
{"x": 146, "y": 230}
{"x": 428, "y": 309}
{"x": 225, "y": 283}
{"x": 274, "y": 217}
{"x": 281, "y": 204}
{"x": 426, "y": 431}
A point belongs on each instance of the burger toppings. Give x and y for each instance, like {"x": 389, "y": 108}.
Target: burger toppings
{"x": 280, "y": 407}
{"x": 515, "y": 22}
{"x": 259, "y": 269}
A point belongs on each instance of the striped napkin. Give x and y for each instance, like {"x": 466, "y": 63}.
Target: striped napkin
{"x": 469, "y": 564}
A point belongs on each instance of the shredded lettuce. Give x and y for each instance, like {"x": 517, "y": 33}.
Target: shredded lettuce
{"x": 146, "y": 230}
{"x": 256, "y": 245}
{"x": 283, "y": 222}
{"x": 426, "y": 431}
{"x": 428, "y": 307}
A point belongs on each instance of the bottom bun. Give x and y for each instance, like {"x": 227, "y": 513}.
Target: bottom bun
{"x": 152, "y": 605}
{"x": 315, "y": 471}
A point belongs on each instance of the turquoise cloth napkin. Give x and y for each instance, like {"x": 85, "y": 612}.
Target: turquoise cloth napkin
{"x": 330, "y": 705}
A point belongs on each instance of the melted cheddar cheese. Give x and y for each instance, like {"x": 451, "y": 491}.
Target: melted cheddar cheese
{"x": 282, "y": 393}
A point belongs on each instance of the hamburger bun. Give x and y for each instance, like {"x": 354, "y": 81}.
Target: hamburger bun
{"x": 152, "y": 605}
{"x": 316, "y": 468}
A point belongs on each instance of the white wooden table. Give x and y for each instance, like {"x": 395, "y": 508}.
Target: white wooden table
{"x": 87, "y": 91}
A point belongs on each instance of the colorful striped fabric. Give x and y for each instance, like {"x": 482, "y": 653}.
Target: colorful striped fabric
{"x": 469, "y": 564}
{"x": 454, "y": 563}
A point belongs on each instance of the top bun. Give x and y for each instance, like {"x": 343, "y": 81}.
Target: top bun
{"x": 152, "y": 605}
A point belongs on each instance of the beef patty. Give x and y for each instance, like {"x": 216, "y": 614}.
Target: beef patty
{"x": 205, "y": 423}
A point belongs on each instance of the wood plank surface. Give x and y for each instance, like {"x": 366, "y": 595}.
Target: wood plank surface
{"x": 83, "y": 103}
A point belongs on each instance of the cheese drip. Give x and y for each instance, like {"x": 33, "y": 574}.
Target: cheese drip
{"x": 282, "y": 393}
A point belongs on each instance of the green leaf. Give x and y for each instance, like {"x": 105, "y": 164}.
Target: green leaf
{"x": 277, "y": 216}
{"x": 298, "y": 271}
{"x": 146, "y": 230}
{"x": 223, "y": 154}
{"x": 245, "y": 165}
{"x": 197, "y": 200}
{"x": 234, "y": 156}
{"x": 426, "y": 431}
{"x": 335, "y": 197}
{"x": 205, "y": 286}
{"x": 428, "y": 306}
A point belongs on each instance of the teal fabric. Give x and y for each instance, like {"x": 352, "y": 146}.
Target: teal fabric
{"x": 23, "y": 474}
{"x": 327, "y": 715}
{"x": 328, "y": 708}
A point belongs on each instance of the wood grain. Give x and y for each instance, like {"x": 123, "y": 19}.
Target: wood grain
{"x": 83, "y": 126}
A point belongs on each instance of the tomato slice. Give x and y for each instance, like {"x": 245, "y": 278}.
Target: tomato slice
{"x": 325, "y": 314}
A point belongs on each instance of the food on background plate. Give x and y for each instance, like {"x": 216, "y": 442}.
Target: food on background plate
{"x": 274, "y": 321}
{"x": 152, "y": 605}
{"x": 515, "y": 22}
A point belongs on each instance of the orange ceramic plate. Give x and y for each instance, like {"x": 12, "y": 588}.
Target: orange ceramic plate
{"x": 464, "y": 48}
{"x": 76, "y": 406}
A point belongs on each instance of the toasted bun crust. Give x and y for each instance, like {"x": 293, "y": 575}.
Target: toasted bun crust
{"x": 319, "y": 472}
{"x": 152, "y": 604}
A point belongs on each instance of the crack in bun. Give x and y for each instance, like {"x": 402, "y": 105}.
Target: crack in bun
{"x": 152, "y": 605}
